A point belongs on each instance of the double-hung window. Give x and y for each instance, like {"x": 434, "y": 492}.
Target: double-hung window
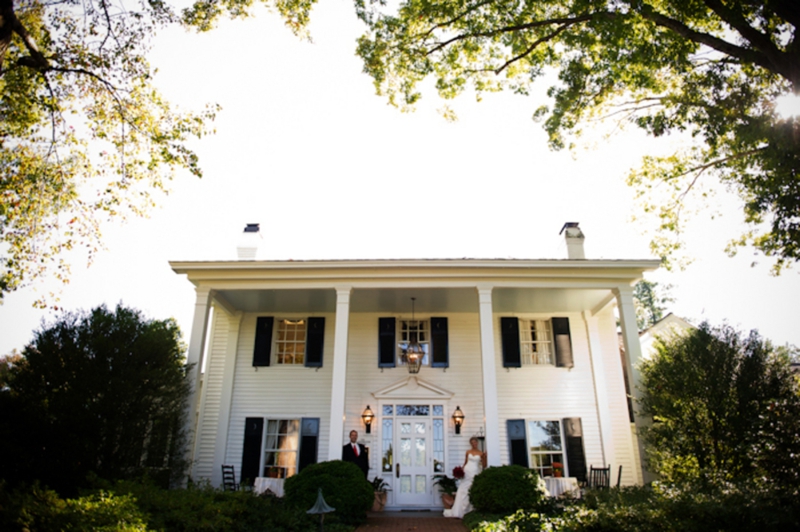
{"x": 540, "y": 444}
{"x": 281, "y": 444}
{"x": 546, "y": 446}
{"x": 536, "y": 342}
{"x": 430, "y": 334}
{"x": 278, "y": 448}
{"x": 290, "y": 344}
{"x": 413, "y": 331}
{"x": 532, "y": 342}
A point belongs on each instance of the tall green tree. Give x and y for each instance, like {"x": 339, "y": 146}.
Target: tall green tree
{"x": 100, "y": 392}
{"x": 84, "y": 135}
{"x": 724, "y": 405}
{"x": 649, "y": 300}
{"x": 708, "y": 69}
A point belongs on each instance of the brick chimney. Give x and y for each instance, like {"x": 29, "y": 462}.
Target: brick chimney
{"x": 247, "y": 247}
{"x": 573, "y": 238}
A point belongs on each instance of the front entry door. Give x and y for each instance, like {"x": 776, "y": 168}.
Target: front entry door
{"x": 414, "y": 461}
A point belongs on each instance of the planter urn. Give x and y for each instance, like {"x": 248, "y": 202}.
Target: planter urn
{"x": 379, "y": 502}
{"x": 448, "y": 500}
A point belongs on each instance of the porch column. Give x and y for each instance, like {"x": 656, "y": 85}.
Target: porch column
{"x": 633, "y": 354}
{"x": 600, "y": 386}
{"x": 194, "y": 360}
{"x": 339, "y": 377}
{"x": 489, "y": 376}
{"x": 226, "y": 395}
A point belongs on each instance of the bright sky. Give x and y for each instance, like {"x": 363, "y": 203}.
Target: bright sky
{"x": 304, "y": 147}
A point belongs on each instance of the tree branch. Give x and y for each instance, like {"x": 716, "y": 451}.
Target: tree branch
{"x": 532, "y": 47}
{"x": 456, "y": 18}
{"x": 757, "y": 39}
{"x": 629, "y": 108}
{"x": 509, "y": 29}
{"x": 743, "y": 54}
{"x": 11, "y": 24}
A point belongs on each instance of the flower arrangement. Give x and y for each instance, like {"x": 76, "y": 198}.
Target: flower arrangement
{"x": 380, "y": 485}
{"x": 446, "y": 484}
{"x": 458, "y": 472}
{"x": 558, "y": 469}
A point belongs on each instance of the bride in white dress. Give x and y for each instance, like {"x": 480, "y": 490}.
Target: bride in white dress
{"x": 474, "y": 462}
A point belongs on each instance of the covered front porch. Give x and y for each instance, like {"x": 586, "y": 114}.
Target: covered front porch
{"x": 355, "y": 295}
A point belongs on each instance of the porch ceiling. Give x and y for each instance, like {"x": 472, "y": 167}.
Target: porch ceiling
{"x": 428, "y": 300}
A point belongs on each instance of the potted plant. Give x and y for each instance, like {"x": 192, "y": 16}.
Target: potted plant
{"x": 558, "y": 469}
{"x": 380, "y": 487}
{"x": 448, "y": 488}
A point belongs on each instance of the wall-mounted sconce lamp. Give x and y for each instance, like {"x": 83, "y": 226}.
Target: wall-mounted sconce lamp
{"x": 458, "y": 419}
{"x": 368, "y": 416}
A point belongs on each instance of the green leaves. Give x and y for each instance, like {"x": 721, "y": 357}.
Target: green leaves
{"x": 84, "y": 135}
{"x": 715, "y": 396}
{"x": 100, "y": 391}
{"x": 704, "y": 70}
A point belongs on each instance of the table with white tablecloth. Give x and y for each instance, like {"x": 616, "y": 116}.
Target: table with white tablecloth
{"x": 557, "y": 486}
{"x": 275, "y": 485}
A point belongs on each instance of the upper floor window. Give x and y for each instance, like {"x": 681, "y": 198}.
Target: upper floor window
{"x": 431, "y": 334}
{"x": 529, "y": 342}
{"x": 290, "y": 344}
{"x": 410, "y": 331}
{"x": 536, "y": 342}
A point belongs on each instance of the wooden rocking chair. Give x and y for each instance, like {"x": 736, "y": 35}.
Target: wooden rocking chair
{"x": 599, "y": 478}
{"x": 229, "y": 478}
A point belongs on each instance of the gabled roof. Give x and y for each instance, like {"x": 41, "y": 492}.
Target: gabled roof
{"x": 667, "y": 324}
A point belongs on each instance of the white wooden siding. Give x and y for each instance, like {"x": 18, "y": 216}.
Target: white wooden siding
{"x": 277, "y": 392}
{"x": 532, "y": 392}
{"x": 546, "y": 392}
{"x": 624, "y": 454}
{"x": 210, "y": 399}
{"x": 463, "y": 378}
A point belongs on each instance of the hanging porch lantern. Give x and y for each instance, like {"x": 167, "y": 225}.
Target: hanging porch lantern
{"x": 413, "y": 353}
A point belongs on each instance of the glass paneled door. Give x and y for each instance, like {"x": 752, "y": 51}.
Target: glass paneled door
{"x": 412, "y": 451}
{"x": 413, "y": 464}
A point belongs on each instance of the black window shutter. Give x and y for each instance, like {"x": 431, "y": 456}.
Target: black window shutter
{"x": 563, "y": 342}
{"x": 439, "y": 341}
{"x": 576, "y": 459}
{"x": 315, "y": 337}
{"x": 517, "y": 442}
{"x": 387, "y": 343}
{"x": 263, "y": 346}
{"x": 509, "y": 330}
{"x": 309, "y": 440}
{"x": 251, "y": 451}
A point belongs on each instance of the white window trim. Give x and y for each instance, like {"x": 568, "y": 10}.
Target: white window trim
{"x": 426, "y": 345}
{"x": 262, "y": 464}
{"x": 539, "y": 352}
{"x": 394, "y": 416}
{"x": 562, "y": 452}
{"x": 276, "y": 343}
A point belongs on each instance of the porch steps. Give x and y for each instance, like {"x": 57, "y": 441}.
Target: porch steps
{"x": 410, "y": 522}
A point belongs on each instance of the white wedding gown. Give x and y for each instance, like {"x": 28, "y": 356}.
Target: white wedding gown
{"x": 462, "y": 506}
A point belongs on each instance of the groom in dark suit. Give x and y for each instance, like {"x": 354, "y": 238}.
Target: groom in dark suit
{"x": 356, "y": 453}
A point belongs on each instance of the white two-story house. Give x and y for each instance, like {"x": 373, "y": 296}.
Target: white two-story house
{"x": 417, "y": 356}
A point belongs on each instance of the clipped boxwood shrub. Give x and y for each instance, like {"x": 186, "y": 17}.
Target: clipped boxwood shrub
{"x": 343, "y": 487}
{"x": 506, "y": 489}
{"x": 201, "y": 508}
{"x": 42, "y": 510}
